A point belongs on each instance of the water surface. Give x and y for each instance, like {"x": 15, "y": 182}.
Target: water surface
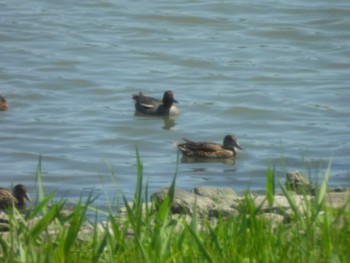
{"x": 275, "y": 73}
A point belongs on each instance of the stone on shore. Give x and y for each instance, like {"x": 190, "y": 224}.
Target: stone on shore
{"x": 209, "y": 201}
{"x": 297, "y": 182}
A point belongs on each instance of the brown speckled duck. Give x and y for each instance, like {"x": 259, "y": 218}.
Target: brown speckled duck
{"x": 209, "y": 150}
{"x": 3, "y": 104}
{"x": 17, "y": 197}
{"x": 151, "y": 106}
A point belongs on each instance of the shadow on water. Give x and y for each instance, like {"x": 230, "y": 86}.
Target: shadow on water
{"x": 186, "y": 159}
{"x": 169, "y": 121}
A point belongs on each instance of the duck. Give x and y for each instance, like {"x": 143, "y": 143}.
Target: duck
{"x": 3, "y": 104}
{"x": 208, "y": 150}
{"x": 151, "y": 106}
{"x": 17, "y": 197}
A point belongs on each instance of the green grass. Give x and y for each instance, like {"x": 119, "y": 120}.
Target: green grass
{"x": 316, "y": 234}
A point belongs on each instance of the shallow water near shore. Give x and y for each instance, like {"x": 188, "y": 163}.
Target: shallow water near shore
{"x": 275, "y": 74}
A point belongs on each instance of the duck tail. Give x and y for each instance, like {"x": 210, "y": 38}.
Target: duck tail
{"x": 137, "y": 96}
{"x": 189, "y": 141}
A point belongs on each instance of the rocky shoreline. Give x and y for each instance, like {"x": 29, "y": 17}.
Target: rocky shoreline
{"x": 210, "y": 203}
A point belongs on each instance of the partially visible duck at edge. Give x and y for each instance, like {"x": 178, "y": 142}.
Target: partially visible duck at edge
{"x": 151, "y": 106}
{"x": 3, "y": 104}
{"x": 209, "y": 150}
{"x": 17, "y": 197}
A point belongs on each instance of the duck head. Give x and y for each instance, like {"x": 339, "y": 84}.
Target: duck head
{"x": 168, "y": 98}
{"x": 231, "y": 143}
{"x": 20, "y": 193}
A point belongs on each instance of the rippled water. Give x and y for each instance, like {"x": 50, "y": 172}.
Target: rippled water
{"x": 275, "y": 73}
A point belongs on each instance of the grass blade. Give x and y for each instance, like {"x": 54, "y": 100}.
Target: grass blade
{"x": 45, "y": 221}
{"x": 270, "y": 185}
{"x": 200, "y": 244}
{"x": 323, "y": 189}
{"x": 39, "y": 185}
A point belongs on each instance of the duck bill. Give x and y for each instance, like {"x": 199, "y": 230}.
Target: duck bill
{"x": 27, "y": 197}
{"x": 175, "y": 101}
{"x": 239, "y": 147}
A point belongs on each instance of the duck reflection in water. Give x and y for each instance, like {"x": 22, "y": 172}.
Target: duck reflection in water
{"x": 169, "y": 122}
{"x": 228, "y": 161}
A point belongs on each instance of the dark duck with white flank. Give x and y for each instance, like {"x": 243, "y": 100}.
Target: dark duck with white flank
{"x": 151, "y": 106}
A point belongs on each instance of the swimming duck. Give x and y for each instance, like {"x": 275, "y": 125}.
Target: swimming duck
{"x": 17, "y": 197}
{"x": 152, "y": 106}
{"x": 207, "y": 150}
{"x": 3, "y": 104}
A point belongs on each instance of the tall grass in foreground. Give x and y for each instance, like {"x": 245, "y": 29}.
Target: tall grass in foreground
{"x": 317, "y": 234}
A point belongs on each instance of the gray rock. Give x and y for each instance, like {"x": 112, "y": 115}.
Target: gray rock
{"x": 216, "y": 194}
{"x": 274, "y": 218}
{"x": 337, "y": 199}
{"x": 297, "y": 182}
{"x": 225, "y": 200}
{"x": 222, "y": 210}
{"x": 185, "y": 201}
{"x": 281, "y": 205}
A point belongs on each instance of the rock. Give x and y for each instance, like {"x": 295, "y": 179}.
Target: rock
{"x": 218, "y": 195}
{"x": 297, "y": 182}
{"x": 225, "y": 200}
{"x": 280, "y": 201}
{"x": 185, "y": 201}
{"x": 337, "y": 199}
{"x": 209, "y": 201}
{"x": 281, "y": 205}
{"x": 274, "y": 218}
{"x": 222, "y": 210}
